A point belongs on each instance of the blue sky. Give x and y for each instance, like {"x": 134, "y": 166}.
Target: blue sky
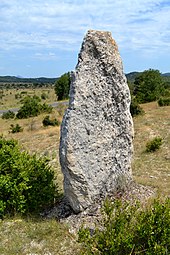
{"x": 43, "y": 38}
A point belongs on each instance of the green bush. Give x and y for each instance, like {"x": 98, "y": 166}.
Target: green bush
{"x": 8, "y": 115}
{"x": 46, "y": 108}
{"x": 47, "y": 122}
{"x": 166, "y": 92}
{"x": 23, "y": 92}
{"x": 127, "y": 229}
{"x": 18, "y": 96}
{"x": 135, "y": 108}
{"x": 32, "y": 107}
{"x": 154, "y": 144}
{"x": 16, "y": 129}
{"x": 44, "y": 96}
{"x": 164, "y": 101}
{"x": 1, "y": 94}
{"x": 27, "y": 183}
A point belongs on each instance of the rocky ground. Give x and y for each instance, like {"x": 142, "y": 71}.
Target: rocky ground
{"x": 92, "y": 216}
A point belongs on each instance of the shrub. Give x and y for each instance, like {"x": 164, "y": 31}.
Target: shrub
{"x": 8, "y": 115}
{"x": 23, "y": 92}
{"x": 127, "y": 229}
{"x": 1, "y": 94}
{"x": 18, "y": 96}
{"x": 166, "y": 92}
{"x": 26, "y": 182}
{"x": 44, "y": 96}
{"x": 154, "y": 144}
{"x": 32, "y": 107}
{"x": 46, "y": 108}
{"x": 16, "y": 129}
{"x": 164, "y": 101}
{"x": 135, "y": 108}
{"x": 47, "y": 122}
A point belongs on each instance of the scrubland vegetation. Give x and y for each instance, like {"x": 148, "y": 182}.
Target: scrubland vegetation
{"x": 12, "y": 97}
{"x": 130, "y": 229}
{"x": 125, "y": 228}
{"x": 27, "y": 183}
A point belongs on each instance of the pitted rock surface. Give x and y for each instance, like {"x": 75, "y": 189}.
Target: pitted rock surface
{"x": 97, "y": 128}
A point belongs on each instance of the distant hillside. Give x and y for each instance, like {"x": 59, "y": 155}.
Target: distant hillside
{"x": 15, "y": 79}
{"x": 131, "y": 76}
{"x": 166, "y": 74}
{"x": 19, "y": 82}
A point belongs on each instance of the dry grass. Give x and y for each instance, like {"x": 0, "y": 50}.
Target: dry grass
{"x": 36, "y": 237}
{"x": 152, "y": 169}
{"x": 26, "y": 237}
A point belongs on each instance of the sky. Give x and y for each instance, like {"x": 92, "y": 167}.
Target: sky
{"x": 43, "y": 38}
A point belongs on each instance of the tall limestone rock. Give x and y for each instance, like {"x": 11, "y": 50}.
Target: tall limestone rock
{"x": 97, "y": 128}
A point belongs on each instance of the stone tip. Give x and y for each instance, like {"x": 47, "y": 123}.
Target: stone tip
{"x": 100, "y": 34}
{"x": 98, "y": 31}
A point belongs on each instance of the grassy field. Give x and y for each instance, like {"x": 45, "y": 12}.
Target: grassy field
{"x": 10, "y": 98}
{"x": 152, "y": 169}
{"x": 40, "y": 237}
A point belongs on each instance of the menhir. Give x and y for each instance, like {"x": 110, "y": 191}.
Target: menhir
{"x": 97, "y": 128}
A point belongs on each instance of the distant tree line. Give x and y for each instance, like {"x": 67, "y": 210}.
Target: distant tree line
{"x": 10, "y": 79}
{"x": 19, "y": 85}
{"x": 8, "y": 82}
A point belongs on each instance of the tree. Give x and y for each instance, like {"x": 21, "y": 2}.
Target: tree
{"x": 149, "y": 86}
{"x": 62, "y": 86}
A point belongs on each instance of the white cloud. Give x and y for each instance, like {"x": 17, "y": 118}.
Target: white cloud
{"x": 45, "y": 56}
{"x": 57, "y": 24}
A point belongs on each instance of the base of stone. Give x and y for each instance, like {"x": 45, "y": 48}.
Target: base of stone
{"x": 91, "y": 216}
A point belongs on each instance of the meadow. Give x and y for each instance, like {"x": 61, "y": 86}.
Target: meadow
{"x": 11, "y": 98}
{"x": 25, "y": 236}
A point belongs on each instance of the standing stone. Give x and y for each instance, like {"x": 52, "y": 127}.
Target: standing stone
{"x": 97, "y": 128}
